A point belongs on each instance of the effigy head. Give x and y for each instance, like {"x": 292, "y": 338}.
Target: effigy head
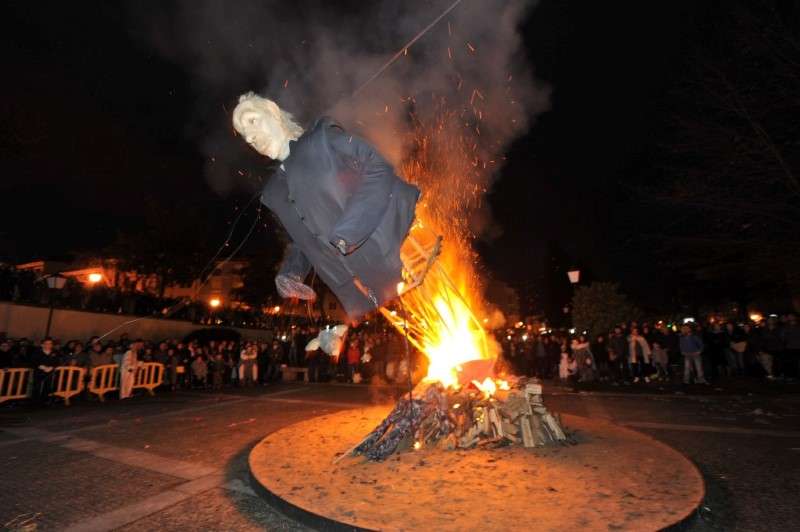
{"x": 265, "y": 126}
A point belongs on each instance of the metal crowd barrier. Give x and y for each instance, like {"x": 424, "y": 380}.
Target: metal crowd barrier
{"x": 15, "y": 383}
{"x": 104, "y": 379}
{"x": 68, "y": 382}
{"x": 149, "y": 375}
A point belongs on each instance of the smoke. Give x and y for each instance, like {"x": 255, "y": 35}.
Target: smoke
{"x": 310, "y": 57}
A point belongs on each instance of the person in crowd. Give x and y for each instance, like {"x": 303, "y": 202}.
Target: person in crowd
{"x": 771, "y": 349}
{"x": 753, "y": 339}
{"x": 171, "y": 368}
{"x": 262, "y": 361}
{"x": 99, "y": 356}
{"x": 734, "y": 351}
{"x": 567, "y": 366}
{"x": 183, "y": 369}
{"x": 617, "y": 354}
{"x": 639, "y": 356}
{"x": 230, "y": 354}
{"x": 127, "y": 370}
{"x": 44, "y": 361}
{"x": 353, "y": 356}
{"x": 6, "y": 355}
{"x": 584, "y": 358}
{"x": 147, "y": 354}
{"x": 601, "y": 358}
{"x": 199, "y": 370}
{"x": 80, "y": 355}
{"x": 313, "y": 361}
{"x": 553, "y": 348}
{"x": 160, "y": 355}
{"x": 660, "y": 360}
{"x": 716, "y": 342}
{"x": 292, "y": 351}
{"x": 276, "y": 355}
{"x": 216, "y": 367}
{"x": 248, "y": 365}
{"x": 691, "y": 347}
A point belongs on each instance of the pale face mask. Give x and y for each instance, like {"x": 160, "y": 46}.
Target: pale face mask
{"x": 262, "y": 131}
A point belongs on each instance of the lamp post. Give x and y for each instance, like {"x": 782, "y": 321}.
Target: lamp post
{"x": 54, "y": 282}
{"x": 574, "y": 277}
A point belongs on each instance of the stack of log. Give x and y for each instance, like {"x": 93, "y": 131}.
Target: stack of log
{"x": 464, "y": 419}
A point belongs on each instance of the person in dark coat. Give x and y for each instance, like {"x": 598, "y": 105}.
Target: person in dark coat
{"x": 617, "y": 354}
{"x": 44, "y": 360}
{"x": 6, "y": 355}
{"x": 346, "y": 211}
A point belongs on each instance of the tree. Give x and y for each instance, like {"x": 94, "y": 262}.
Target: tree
{"x": 597, "y": 308}
{"x": 728, "y": 202}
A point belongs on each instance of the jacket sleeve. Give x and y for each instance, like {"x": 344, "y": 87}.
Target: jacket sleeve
{"x": 367, "y": 205}
{"x": 295, "y": 264}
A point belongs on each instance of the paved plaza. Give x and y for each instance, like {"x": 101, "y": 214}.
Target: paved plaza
{"x": 178, "y": 461}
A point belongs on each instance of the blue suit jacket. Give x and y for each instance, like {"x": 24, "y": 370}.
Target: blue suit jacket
{"x": 337, "y": 186}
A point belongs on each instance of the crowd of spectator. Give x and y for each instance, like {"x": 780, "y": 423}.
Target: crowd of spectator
{"x": 368, "y": 354}
{"x": 629, "y": 354}
{"x": 642, "y": 352}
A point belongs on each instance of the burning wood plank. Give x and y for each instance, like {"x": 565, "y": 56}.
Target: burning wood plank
{"x": 463, "y": 418}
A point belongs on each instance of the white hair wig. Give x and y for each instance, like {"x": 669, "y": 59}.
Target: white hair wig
{"x": 251, "y": 101}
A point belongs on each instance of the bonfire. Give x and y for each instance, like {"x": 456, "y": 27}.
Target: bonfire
{"x": 461, "y": 403}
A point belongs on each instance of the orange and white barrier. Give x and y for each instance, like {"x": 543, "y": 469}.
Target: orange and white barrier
{"x": 15, "y": 383}
{"x": 68, "y": 382}
{"x": 149, "y": 375}
{"x": 104, "y": 379}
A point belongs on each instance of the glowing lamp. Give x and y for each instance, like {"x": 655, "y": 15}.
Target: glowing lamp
{"x": 95, "y": 278}
{"x": 400, "y": 287}
{"x": 574, "y": 276}
{"x": 56, "y": 282}
{"x": 215, "y": 302}
{"x": 276, "y": 309}
{"x": 756, "y": 317}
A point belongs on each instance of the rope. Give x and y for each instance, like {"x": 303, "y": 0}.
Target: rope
{"x": 372, "y": 78}
{"x": 182, "y": 303}
{"x": 405, "y": 48}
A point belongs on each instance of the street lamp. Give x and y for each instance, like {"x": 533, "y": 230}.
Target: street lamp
{"x": 215, "y": 302}
{"x": 95, "y": 277}
{"x": 54, "y": 282}
{"x": 574, "y": 276}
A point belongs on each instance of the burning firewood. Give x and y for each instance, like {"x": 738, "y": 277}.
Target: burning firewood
{"x": 462, "y": 419}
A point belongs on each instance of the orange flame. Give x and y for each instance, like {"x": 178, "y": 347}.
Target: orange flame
{"x": 440, "y": 313}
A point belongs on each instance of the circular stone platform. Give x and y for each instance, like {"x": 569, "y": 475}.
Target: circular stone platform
{"x": 614, "y": 478}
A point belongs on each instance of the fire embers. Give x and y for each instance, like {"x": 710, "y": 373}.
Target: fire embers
{"x": 463, "y": 419}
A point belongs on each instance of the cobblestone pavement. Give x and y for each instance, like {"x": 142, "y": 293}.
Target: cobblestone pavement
{"x": 179, "y": 461}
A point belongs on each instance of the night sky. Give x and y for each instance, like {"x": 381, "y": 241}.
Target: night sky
{"x": 95, "y": 122}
